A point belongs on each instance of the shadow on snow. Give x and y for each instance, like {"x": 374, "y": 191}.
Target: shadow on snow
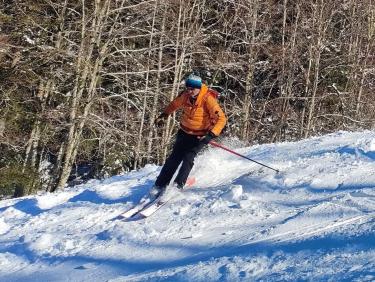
{"x": 314, "y": 246}
{"x": 92, "y": 196}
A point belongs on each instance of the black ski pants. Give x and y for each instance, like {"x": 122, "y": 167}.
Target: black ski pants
{"x": 185, "y": 149}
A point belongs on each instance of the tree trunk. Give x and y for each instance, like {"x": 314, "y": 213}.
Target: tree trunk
{"x": 141, "y": 140}
{"x": 250, "y": 73}
{"x": 317, "y": 54}
{"x": 154, "y": 110}
{"x": 87, "y": 74}
{"x": 177, "y": 77}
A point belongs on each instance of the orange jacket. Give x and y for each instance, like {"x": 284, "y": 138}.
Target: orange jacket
{"x": 201, "y": 117}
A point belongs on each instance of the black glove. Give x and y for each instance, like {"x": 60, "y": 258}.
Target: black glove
{"x": 207, "y": 138}
{"x": 159, "y": 121}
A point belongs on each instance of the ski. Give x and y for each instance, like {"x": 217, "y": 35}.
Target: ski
{"x": 137, "y": 208}
{"x": 147, "y": 206}
{"x": 162, "y": 201}
{"x": 154, "y": 206}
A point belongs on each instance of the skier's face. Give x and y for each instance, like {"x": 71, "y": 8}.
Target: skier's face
{"x": 193, "y": 91}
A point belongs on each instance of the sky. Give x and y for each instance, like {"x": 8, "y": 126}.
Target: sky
{"x": 314, "y": 221}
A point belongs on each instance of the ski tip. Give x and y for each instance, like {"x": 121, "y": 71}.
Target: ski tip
{"x": 190, "y": 181}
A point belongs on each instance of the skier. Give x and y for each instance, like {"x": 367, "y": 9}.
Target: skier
{"x": 201, "y": 121}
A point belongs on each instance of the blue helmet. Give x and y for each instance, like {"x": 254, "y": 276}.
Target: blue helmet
{"x": 193, "y": 81}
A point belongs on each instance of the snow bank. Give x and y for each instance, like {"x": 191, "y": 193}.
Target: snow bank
{"x": 239, "y": 222}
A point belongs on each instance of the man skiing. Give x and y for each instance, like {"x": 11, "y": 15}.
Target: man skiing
{"x": 201, "y": 121}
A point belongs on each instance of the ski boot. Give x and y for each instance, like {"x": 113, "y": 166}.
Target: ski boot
{"x": 157, "y": 191}
{"x": 179, "y": 186}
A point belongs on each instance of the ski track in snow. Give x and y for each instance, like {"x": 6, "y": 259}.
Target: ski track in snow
{"x": 239, "y": 222}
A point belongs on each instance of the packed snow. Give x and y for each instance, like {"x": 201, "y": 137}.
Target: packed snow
{"x": 315, "y": 220}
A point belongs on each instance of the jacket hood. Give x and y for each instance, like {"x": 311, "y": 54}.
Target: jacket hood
{"x": 202, "y": 93}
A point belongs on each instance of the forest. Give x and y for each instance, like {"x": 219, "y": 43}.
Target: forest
{"x": 82, "y": 81}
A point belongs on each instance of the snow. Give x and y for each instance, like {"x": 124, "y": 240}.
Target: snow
{"x": 239, "y": 222}
{"x": 3, "y": 226}
{"x": 29, "y": 40}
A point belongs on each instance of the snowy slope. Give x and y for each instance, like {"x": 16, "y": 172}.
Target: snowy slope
{"x": 314, "y": 221}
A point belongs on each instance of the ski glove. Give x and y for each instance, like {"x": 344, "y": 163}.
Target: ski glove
{"x": 207, "y": 138}
{"x": 159, "y": 121}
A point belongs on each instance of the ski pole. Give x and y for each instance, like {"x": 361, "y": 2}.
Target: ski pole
{"x": 213, "y": 143}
